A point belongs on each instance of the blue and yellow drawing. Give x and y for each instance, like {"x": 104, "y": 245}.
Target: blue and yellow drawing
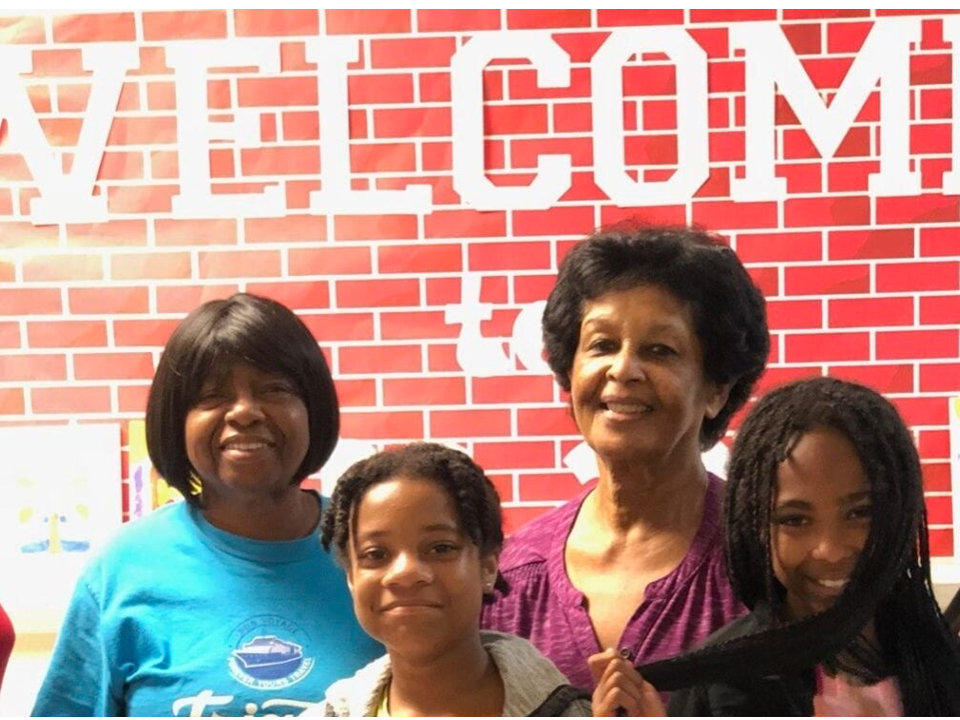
{"x": 53, "y": 527}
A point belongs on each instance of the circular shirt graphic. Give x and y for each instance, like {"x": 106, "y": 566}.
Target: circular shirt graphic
{"x": 268, "y": 654}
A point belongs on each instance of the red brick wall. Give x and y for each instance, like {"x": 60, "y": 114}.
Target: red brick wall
{"x": 859, "y": 286}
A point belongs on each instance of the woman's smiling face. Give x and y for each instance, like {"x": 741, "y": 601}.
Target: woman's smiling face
{"x": 637, "y": 385}
{"x": 248, "y": 432}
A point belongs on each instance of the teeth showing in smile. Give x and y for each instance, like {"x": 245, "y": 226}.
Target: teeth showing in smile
{"x": 833, "y": 584}
{"x": 246, "y": 446}
{"x": 627, "y": 408}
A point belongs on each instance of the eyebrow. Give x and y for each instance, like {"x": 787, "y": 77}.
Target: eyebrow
{"x": 599, "y": 321}
{"x": 436, "y": 527}
{"x": 851, "y": 499}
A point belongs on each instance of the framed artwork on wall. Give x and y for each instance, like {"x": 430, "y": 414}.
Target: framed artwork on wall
{"x": 62, "y": 500}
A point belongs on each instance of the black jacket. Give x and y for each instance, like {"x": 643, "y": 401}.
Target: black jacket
{"x": 775, "y": 695}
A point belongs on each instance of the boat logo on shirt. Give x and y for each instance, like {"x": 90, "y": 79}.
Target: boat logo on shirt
{"x": 267, "y": 653}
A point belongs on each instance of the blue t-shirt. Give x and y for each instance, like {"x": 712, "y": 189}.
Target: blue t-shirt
{"x": 176, "y": 617}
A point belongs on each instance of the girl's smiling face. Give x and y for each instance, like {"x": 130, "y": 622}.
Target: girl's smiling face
{"x": 417, "y": 579}
{"x": 820, "y": 520}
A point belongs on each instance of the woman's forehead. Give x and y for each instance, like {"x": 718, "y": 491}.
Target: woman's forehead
{"x": 223, "y": 366}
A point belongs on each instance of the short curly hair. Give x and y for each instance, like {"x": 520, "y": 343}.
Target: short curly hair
{"x": 474, "y": 497}
{"x": 729, "y": 311}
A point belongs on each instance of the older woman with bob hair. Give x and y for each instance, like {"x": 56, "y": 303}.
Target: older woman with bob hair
{"x": 224, "y": 604}
{"x": 658, "y": 334}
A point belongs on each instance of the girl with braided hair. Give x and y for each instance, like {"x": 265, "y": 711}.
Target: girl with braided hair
{"x": 419, "y": 531}
{"x": 826, "y": 542}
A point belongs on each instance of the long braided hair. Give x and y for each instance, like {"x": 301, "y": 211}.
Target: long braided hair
{"x": 890, "y": 584}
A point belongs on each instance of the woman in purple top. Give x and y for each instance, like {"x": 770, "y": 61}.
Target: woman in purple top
{"x": 658, "y": 334}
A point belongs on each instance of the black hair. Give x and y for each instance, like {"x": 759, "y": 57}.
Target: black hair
{"x": 211, "y": 340}
{"x": 693, "y": 265}
{"x": 891, "y": 582}
{"x": 474, "y": 497}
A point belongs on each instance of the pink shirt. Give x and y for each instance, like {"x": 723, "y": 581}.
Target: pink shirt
{"x": 838, "y": 698}
{"x": 541, "y": 604}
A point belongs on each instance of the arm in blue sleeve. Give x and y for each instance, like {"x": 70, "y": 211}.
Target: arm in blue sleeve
{"x": 80, "y": 680}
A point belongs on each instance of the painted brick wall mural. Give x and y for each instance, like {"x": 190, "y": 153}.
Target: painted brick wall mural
{"x": 409, "y": 180}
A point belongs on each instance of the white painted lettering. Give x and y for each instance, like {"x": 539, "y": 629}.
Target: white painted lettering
{"x": 608, "y": 131}
{"x": 65, "y": 197}
{"x": 770, "y": 62}
{"x": 195, "y": 131}
{"x": 951, "y": 34}
{"x": 332, "y": 55}
{"x": 466, "y": 80}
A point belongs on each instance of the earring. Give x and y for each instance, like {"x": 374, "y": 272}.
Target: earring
{"x": 196, "y": 484}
